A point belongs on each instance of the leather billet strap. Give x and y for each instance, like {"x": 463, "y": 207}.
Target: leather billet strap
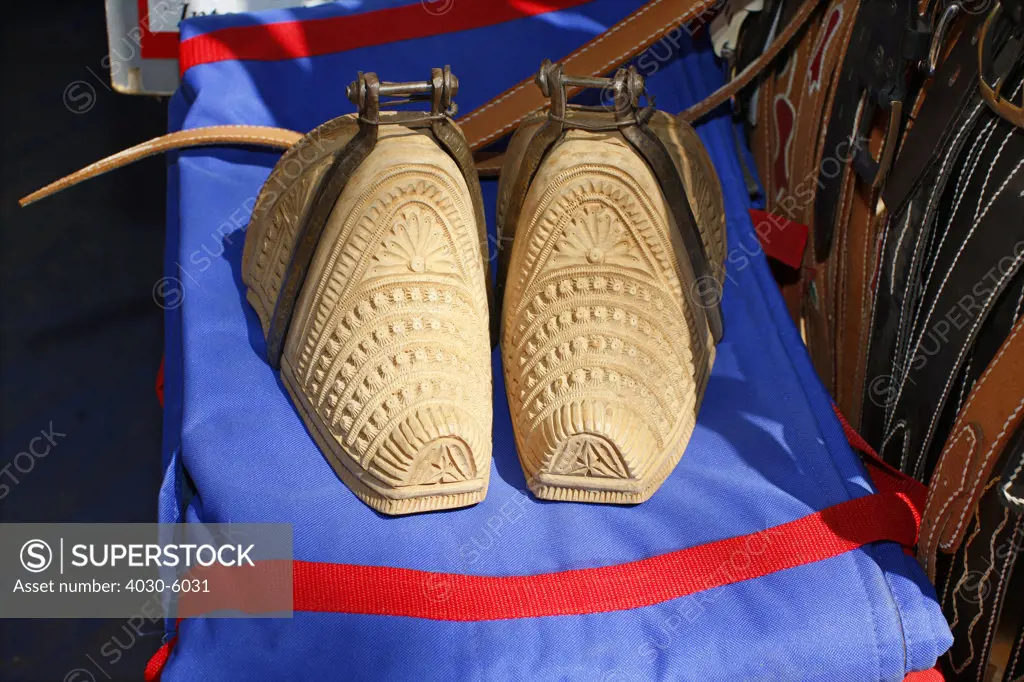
{"x": 629, "y": 120}
{"x": 740, "y": 80}
{"x": 624, "y": 40}
{"x": 627, "y": 39}
{"x": 993, "y": 412}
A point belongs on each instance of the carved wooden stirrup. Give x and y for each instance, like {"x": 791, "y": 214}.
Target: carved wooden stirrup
{"x": 613, "y": 239}
{"x": 366, "y": 262}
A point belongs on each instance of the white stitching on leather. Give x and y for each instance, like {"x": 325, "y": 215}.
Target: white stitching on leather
{"x": 967, "y": 380}
{"x": 896, "y": 251}
{"x": 993, "y": 619}
{"x": 1020, "y": 302}
{"x": 977, "y": 322}
{"x": 984, "y": 463}
{"x": 902, "y": 424}
{"x": 963, "y": 579}
{"x": 1010, "y": 481}
{"x": 1012, "y": 665}
{"x": 983, "y": 603}
{"x": 958, "y": 194}
{"x": 961, "y": 432}
{"x": 891, "y": 408}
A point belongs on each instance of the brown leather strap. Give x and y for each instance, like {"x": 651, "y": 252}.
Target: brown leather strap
{"x": 993, "y": 411}
{"x": 624, "y": 40}
{"x": 261, "y": 136}
{"x": 744, "y": 77}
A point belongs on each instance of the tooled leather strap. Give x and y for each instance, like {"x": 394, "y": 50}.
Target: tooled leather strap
{"x": 993, "y": 411}
{"x": 262, "y": 136}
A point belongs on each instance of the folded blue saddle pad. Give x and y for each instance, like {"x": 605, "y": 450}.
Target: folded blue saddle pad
{"x": 767, "y": 448}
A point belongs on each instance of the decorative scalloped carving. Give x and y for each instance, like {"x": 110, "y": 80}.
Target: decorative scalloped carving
{"x": 388, "y": 355}
{"x": 603, "y": 365}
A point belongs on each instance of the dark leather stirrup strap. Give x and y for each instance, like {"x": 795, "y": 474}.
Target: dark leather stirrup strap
{"x": 992, "y": 413}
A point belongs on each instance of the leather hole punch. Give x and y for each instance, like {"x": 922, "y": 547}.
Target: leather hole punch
{"x": 366, "y": 262}
{"x": 610, "y": 289}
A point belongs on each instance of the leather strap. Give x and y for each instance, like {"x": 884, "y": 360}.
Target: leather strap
{"x": 751, "y": 71}
{"x": 979, "y": 593}
{"x": 945, "y": 266}
{"x": 992, "y": 413}
{"x": 624, "y": 40}
{"x": 261, "y": 136}
{"x": 949, "y": 93}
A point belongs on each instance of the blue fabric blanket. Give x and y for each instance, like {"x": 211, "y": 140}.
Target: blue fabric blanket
{"x": 767, "y": 448}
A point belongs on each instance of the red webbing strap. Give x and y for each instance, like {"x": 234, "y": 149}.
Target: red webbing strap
{"x": 156, "y": 663}
{"x": 886, "y": 477}
{"x": 382, "y": 590}
{"x": 312, "y": 37}
{"x": 930, "y": 675}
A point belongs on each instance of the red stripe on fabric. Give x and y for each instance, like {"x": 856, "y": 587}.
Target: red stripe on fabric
{"x": 295, "y": 39}
{"x": 160, "y": 45}
{"x": 381, "y": 590}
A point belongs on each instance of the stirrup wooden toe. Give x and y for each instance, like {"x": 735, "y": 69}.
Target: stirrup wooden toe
{"x": 610, "y": 300}
{"x": 366, "y": 262}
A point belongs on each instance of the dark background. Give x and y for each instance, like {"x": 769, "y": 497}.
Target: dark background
{"x": 80, "y": 334}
